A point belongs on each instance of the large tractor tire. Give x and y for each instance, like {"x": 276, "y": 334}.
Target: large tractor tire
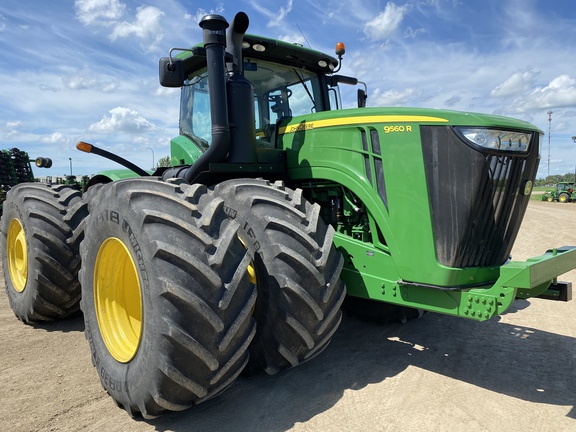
{"x": 41, "y": 229}
{"x": 297, "y": 271}
{"x": 166, "y": 295}
{"x": 563, "y": 197}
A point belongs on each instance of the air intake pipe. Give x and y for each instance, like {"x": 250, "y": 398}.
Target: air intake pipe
{"x": 214, "y": 27}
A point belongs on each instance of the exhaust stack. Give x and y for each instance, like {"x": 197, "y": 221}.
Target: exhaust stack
{"x": 240, "y": 97}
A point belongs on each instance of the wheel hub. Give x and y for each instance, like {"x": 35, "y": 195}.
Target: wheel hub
{"x": 118, "y": 300}
{"x": 17, "y": 255}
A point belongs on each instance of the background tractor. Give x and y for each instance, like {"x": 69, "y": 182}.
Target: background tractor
{"x": 280, "y": 206}
{"x": 564, "y": 192}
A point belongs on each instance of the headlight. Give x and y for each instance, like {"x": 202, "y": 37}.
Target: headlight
{"x": 495, "y": 139}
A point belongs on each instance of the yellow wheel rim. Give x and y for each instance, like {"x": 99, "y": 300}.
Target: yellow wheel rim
{"x": 251, "y": 273}
{"x": 251, "y": 270}
{"x": 562, "y": 198}
{"x": 17, "y": 255}
{"x": 118, "y": 300}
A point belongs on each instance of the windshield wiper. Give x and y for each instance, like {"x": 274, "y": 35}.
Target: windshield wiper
{"x": 304, "y": 84}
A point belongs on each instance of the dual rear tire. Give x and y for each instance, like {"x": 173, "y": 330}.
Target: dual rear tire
{"x": 180, "y": 291}
{"x": 41, "y": 229}
{"x": 297, "y": 271}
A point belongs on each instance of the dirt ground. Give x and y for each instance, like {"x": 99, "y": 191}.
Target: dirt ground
{"x": 514, "y": 373}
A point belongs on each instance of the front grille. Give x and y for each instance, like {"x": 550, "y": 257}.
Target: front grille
{"x": 476, "y": 199}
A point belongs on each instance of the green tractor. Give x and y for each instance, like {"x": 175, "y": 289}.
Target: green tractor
{"x": 280, "y": 207}
{"x": 564, "y": 192}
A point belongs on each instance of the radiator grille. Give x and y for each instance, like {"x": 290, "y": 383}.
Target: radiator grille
{"x": 477, "y": 200}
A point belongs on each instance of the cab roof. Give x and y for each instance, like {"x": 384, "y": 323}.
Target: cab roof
{"x": 277, "y": 51}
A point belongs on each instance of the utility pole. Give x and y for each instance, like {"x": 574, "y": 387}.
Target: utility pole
{"x": 549, "y": 134}
{"x": 153, "y": 162}
{"x": 574, "y": 139}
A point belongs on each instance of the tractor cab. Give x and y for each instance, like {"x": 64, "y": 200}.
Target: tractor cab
{"x": 280, "y": 91}
{"x": 288, "y": 80}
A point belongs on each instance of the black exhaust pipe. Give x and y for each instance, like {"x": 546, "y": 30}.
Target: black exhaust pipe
{"x": 240, "y": 97}
{"x": 214, "y": 27}
{"x": 234, "y": 39}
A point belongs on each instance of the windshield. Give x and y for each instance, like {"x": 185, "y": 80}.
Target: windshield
{"x": 279, "y": 91}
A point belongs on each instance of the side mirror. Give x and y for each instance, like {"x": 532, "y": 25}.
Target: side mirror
{"x": 171, "y": 72}
{"x": 362, "y": 96}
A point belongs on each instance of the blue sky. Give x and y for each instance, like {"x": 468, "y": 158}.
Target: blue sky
{"x": 88, "y": 69}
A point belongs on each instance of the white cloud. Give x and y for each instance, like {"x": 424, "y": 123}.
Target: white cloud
{"x": 385, "y": 24}
{"x": 55, "y": 138}
{"x": 13, "y": 124}
{"x": 517, "y": 83}
{"x": 122, "y": 119}
{"x": 103, "y": 12}
{"x": 146, "y": 26}
{"x": 296, "y": 38}
{"x": 11, "y": 130}
{"x": 200, "y": 13}
{"x": 275, "y": 18}
{"x": 85, "y": 80}
{"x": 410, "y": 33}
{"x": 391, "y": 97}
{"x": 561, "y": 92}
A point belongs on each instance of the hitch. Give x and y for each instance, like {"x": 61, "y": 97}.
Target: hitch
{"x": 559, "y": 291}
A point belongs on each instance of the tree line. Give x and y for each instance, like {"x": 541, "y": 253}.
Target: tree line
{"x": 553, "y": 179}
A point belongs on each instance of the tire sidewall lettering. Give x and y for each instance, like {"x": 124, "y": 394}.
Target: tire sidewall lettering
{"x": 231, "y": 212}
{"x": 116, "y": 376}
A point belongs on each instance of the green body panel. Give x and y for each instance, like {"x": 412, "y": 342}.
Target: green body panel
{"x": 369, "y": 273}
{"x": 327, "y": 146}
{"x": 183, "y": 151}
{"x": 113, "y": 175}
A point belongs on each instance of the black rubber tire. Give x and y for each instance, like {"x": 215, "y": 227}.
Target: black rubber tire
{"x": 297, "y": 271}
{"x": 380, "y": 312}
{"x": 563, "y": 197}
{"x": 51, "y": 217}
{"x": 195, "y": 292}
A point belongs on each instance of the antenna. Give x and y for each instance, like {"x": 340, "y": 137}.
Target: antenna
{"x": 302, "y": 33}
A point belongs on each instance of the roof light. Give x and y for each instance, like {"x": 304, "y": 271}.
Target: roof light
{"x": 340, "y": 49}
{"x": 245, "y": 44}
{"x": 322, "y": 63}
{"x": 258, "y": 47}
